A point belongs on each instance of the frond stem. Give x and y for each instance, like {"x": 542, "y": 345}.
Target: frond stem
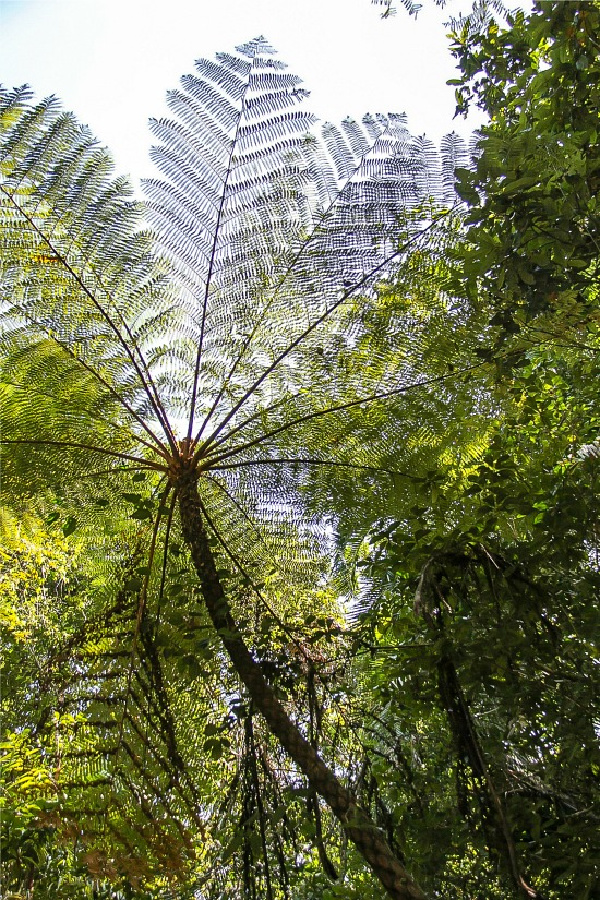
{"x": 246, "y": 344}
{"x": 213, "y": 254}
{"x": 236, "y": 561}
{"x": 338, "y": 407}
{"x": 116, "y": 425}
{"x": 310, "y": 462}
{"x": 140, "y": 611}
{"x": 141, "y": 463}
{"x": 154, "y": 402}
{"x": 346, "y": 294}
{"x": 163, "y": 576}
{"x": 237, "y": 505}
{"x": 113, "y": 393}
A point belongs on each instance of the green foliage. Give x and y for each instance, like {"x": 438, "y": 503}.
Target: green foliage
{"x": 390, "y": 409}
{"x": 500, "y": 581}
{"x": 533, "y": 193}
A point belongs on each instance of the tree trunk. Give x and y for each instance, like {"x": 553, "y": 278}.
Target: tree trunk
{"x": 429, "y": 602}
{"x": 355, "y": 821}
{"x": 497, "y": 831}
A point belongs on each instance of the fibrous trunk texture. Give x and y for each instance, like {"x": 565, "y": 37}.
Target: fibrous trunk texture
{"x": 356, "y": 821}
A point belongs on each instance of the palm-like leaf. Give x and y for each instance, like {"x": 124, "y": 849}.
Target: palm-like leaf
{"x": 221, "y": 358}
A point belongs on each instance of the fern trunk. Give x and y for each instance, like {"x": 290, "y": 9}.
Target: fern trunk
{"x": 356, "y": 821}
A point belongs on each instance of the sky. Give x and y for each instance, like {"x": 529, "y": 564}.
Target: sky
{"x": 111, "y": 61}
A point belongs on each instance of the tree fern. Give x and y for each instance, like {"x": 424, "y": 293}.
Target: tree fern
{"x": 187, "y": 383}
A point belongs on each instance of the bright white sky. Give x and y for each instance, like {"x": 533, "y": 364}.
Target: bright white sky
{"x": 111, "y": 61}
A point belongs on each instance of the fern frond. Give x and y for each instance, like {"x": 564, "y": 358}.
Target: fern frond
{"x": 74, "y": 262}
